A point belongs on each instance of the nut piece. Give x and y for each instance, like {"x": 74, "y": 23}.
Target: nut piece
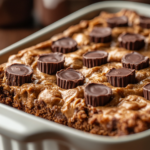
{"x": 18, "y": 74}
{"x": 121, "y": 77}
{"x": 97, "y": 94}
{"x": 69, "y": 78}
{"x": 51, "y": 63}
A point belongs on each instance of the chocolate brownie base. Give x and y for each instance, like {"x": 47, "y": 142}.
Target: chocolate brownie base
{"x": 6, "y": 96}
{"x": 128, "y": 112}
{"x": 107, "y": 127}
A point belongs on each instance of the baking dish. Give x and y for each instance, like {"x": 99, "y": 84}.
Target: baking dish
{"x": 22, "y": 131}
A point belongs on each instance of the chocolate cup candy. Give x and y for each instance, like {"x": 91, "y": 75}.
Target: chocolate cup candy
{"x": 95, "y": 58}
{"x": 64, "y": 45}
{"x": 146, "y": 91}
{"x": 131, "y": 41}
{"x": 100, "y": 35}
{"x": 135, "y": 60}
{"x": 69, "y": 78}
{"x": 18, "y": 74}
{"x": 121, "y": 77}
{"x": 51, "y": 63}
{"x": 145, "y": 22}
{"x": 97, "y": 94}
{"x": 117, "y": 22}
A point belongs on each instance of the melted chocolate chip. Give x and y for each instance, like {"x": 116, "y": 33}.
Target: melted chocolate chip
{"x": 18, "y": 74}
{"x": 146, "y": 91}
{"x": 97, "y": 94}
{"x": 131, "y": 41}
{"x": 121, "y": 77}
{"x": 69, "y": 78}
{"x": 64, "y": 45}
{"x": 94, "y": 58}
{"x": 117, "y": 22}
{"x": 135, "y": 60}
{"x": 51, "y": 63}
{"x": 100, "y": 35}
{"x": 145, "y": 22}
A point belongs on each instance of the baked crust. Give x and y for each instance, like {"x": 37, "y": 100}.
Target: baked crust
{"x": 127, "y": 113}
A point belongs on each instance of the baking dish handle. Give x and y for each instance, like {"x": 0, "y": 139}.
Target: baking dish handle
{"x": 24, "y": 127}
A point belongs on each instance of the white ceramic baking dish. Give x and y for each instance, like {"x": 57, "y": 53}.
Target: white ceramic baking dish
{"x": 22, "y": 131}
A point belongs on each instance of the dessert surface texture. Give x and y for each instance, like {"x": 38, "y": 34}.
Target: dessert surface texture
{"x": 94, "y": 76}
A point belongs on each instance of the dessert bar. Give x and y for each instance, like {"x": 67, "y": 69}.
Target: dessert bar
{"x": 94, "y": 76}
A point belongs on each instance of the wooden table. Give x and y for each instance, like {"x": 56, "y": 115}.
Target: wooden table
{"x": 9, "y": 36}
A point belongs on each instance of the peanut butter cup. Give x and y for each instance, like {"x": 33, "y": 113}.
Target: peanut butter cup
{"x": 135, "y": 60}
{"x": 145, "y": 22}
{"x": 121, "y": 77}
{"x": 117, "y": 22}
{"x": 131, "y": 41}
{"x": 146, "y": 91}
{"x": 69, "y": 78}
{"x": 18, "y": 74}
{"x": 51, "y": 63}
{"x": 100, "y": 35}
{"x": 97, "y": 94}
{"x": 64, "y": 45}
{"x": 94, "y": 58}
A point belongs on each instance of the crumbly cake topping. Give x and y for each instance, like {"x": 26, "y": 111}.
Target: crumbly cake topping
{"x": 127, "y": 112}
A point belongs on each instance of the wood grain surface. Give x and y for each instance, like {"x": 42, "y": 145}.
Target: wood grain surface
{"x": 10, "y": 36}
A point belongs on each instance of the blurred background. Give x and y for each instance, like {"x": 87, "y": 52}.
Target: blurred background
{"x": 20, "y": 18}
